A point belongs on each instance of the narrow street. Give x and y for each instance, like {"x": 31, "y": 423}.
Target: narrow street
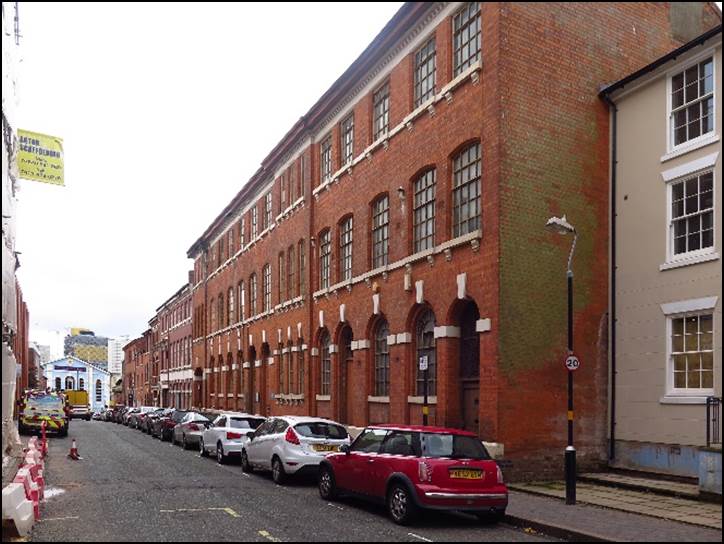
{"x": 129, "y": 486}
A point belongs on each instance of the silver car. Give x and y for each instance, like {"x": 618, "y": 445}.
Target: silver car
{"x": 227, "y": 434}
{"x": 288, "y": 445}
{"x": 188, "y": 431}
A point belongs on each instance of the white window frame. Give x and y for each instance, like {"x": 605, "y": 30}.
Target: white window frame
{"x": 676, "y": 310}
{"x": 703, "y": 139}
{"x": 699, "y": 255}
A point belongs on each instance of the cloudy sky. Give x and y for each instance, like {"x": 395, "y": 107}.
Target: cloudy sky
{"x": 165, "y": 111}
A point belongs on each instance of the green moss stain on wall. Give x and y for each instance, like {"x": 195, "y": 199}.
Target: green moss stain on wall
{"x": 543, "y": 176}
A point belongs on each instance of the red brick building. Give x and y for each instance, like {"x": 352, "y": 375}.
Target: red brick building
{"x": 403, "y": 217}
{"x": 176, "y": 374}
{"x": 21, "y": 343}
{"x": 137, "y": 371}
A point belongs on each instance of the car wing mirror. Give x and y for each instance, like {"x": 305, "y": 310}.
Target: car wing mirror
{"x": 250, "y": 435}
{"x": 345, "y": 449}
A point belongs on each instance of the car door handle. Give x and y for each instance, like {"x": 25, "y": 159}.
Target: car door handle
{"x": 370, "y": 461}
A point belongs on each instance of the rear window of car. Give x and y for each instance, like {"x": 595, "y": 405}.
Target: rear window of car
{"x": 453, "y": 446}
{"x": 245, "y": 423}
{"x": 178, "y": 415}
{"x": 320, "y": 429}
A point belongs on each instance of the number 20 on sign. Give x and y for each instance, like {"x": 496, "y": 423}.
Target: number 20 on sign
{"x": 572, "y": 363}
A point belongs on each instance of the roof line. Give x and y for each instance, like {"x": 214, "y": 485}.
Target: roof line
{"x": 661, "y": 61}
{"x": 409, "y": 11}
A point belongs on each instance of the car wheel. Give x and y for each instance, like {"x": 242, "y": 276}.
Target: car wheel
{"x": 220, "y": 457}
{"x": 278, "y": 474}
{"x": 245, "y": 465}
{"x": 400, "y": 505}
{"x": 327, "y": 485}
{"x": 202, "y": 448}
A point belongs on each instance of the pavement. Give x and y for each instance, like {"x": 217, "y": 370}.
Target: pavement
{"x": 641, "y": 510}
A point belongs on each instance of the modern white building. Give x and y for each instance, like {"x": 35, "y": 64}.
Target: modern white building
{"x": 73, "y": 373}
{"x": 115, "y": 353}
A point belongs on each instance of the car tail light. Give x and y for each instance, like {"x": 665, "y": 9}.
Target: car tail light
{"x": 193, "y": 427}
{"x": 233, "y": 436}
{"x": 291, "y": 437}
{"x": 424, "y": 471}
{"x": 500, "y": 476}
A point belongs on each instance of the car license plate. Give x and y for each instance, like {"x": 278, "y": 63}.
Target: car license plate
{"x": 466, "y": 474}
{"x": 325, "y": 447}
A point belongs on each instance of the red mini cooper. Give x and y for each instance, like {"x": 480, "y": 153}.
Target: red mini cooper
{"x": 413, "y": 467}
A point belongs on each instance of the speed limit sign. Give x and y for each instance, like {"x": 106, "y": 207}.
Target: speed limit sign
{"x": 572, "y": 362}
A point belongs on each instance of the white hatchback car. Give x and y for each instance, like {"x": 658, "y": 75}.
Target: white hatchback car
{"x": 227, "y": 434}
{"x": 288, "y": 445}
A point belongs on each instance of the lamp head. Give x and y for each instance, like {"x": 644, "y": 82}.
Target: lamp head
{"x": 560, "y": 225}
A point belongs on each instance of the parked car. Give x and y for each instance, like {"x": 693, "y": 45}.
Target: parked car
{"x": 410, "y": 468}
{"x": 135, "y": 418}
{"x": 126, "y": 417}
{"x": 144, "y": 420}
{"x": 226, "y": 435}
{"x": 162, "y": 427}
{"x": 189, "y": 429}
{"x": 98, "y": 415}
{"x": 288, "y": 445}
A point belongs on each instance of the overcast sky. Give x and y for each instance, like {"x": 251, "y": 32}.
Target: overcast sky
{"x": 165, "y": 111}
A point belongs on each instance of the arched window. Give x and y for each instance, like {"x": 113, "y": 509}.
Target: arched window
{"x": 81, "y": 384}
{"x": 222, "y": 315}
{"x": 267, "y": 286}
{"x": 252, "y": 295}
{"x": 325, "y": 364}
{"x": 282, "y": 294}
{"x": 345, "y": 249}
{"x": 380, "y": 231}
{"x": 302, "y": 268}
{"x": 425, "y": 340}
{"x": 99, "y": 391}
{"x": 424, "y": 211}
{"x": 69, "y": 383}
{"x": 291, "y": 284}
{"x": 382, "y": 360}
{"x": 231, "y": 306}
{"x": 242, "y": 301}
{"x": 58, "y": 384}
{"x": 466, "y": 190}
{"x": 325, "y": 254}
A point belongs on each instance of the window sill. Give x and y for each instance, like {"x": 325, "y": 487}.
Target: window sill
{"x": 685, "y": 400}
{"x": 688, "y": 147}
{"x": 421, "y": 400}
{"x": 383, "y": 400}
{"x": 323, "y": 397}
{"x": 687, "y": 262}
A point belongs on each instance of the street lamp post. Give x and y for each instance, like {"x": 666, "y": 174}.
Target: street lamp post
{"x": 562, "y": 226}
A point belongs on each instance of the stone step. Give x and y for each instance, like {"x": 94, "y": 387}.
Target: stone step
{"x": 642, "y": 483}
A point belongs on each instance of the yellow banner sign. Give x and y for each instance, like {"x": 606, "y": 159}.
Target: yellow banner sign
{"x": 40, "y": 157}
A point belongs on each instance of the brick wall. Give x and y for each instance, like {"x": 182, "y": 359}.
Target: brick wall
{"x": 533, "y": 107}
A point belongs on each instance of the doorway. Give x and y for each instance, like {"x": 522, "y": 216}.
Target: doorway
{"x": 469, "y": 368}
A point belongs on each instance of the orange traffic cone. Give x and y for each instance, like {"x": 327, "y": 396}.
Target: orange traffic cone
{"x": 74, "y": 452}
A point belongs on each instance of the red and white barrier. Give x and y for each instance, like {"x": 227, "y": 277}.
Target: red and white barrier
{"x": 21, "y": 499}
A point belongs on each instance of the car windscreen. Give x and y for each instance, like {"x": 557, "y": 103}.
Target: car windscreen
{"x": 453, "y": 446}
{"x": 250, "y": 423}
{"x": 321, "y": 429}
{"x": 47, "y": 402}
